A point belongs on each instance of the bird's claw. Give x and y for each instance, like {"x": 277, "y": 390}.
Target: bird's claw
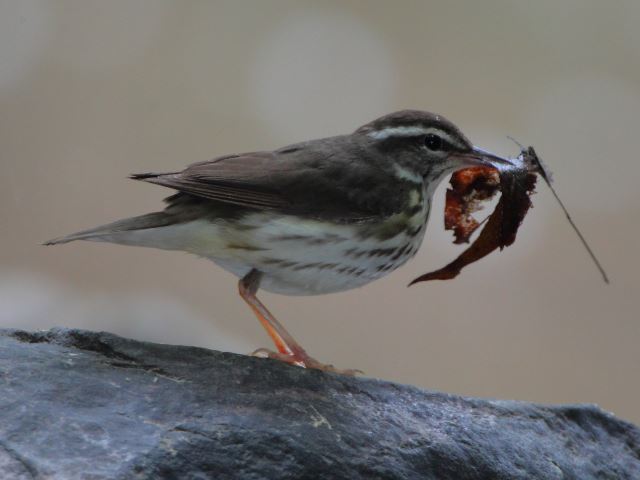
{"x": 302, "y": 359}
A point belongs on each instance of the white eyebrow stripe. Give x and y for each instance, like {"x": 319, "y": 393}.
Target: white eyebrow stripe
{"x": 412, "y": 131}
{"x": 397, "y": 132}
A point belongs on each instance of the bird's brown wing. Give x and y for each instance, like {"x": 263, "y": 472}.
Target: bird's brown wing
{"x": 305, "y": 179}
{"x": 236, "y": 179}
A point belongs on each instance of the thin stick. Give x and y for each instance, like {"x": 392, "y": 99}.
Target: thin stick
{"x": 575, "y": 228}
{"x": 530, "y": 152}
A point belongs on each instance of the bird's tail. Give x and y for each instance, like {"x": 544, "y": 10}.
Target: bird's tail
{"x": 120, "y": 231}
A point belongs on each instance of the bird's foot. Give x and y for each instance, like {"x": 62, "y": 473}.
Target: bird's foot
{"x": 302, "y": 359}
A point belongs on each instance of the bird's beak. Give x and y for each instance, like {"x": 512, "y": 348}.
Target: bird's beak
{"x": 478, "y": 157}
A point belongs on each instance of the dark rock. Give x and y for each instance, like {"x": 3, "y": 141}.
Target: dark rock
{"x": 76, "y": 404}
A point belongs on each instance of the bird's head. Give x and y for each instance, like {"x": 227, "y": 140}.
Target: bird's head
{"x": 424, "y": 146}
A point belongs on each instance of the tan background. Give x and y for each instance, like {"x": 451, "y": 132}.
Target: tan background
{"x": 92, "y": 91}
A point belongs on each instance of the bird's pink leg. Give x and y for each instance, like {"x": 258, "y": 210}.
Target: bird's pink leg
{"x": 289, "y": 350}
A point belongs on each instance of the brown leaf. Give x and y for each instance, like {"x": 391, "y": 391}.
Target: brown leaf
{"x": 472, "y": 186}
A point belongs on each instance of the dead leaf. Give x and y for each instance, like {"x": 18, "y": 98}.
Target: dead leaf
{"x": 474, "y": 185}
{"x": 469, "y": 188}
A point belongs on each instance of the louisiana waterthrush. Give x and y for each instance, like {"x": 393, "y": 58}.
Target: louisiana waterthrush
{"x": 314, "y": 217}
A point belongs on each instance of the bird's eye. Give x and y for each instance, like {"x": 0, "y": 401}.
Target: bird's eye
{"x": 433, "y": 142}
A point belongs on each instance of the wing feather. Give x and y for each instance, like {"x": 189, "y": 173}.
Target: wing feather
{"x": 308, "y": 180}
{"x": 236, "y": 179}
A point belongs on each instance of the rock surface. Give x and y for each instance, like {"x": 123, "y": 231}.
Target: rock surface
{"x": 85, "y": 405}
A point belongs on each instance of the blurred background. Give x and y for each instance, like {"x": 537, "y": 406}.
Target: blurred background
{"x": 91, "y": 91}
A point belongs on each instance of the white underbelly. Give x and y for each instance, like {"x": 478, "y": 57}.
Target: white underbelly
{"x": 308, "y": 257}
{"x": 297, "y": 256}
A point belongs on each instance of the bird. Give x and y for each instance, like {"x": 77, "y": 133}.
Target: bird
{"x": 315, "y": 217}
